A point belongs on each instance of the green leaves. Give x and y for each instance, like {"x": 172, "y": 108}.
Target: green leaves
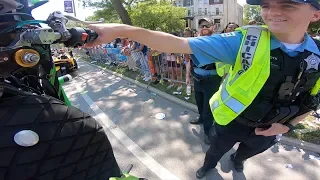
{"x": 252, "y": 13}
{"x": 163, "y": 15}
{"x": 314, "y": 27}
{"x": 148, "y": 14}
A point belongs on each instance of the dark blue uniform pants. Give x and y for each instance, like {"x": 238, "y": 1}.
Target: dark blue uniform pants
{"x": 204, "y": 89}
{"x": 223, "y": 139}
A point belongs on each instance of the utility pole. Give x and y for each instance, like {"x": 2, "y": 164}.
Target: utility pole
{"x": 74, "y": 8}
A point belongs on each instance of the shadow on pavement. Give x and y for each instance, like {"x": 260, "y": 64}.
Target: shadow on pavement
{"x": 213, "y": 175}
{"x": 174, "y": 143}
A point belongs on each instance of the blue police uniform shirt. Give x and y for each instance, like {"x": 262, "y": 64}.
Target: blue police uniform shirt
{"x": 224, "y": 48}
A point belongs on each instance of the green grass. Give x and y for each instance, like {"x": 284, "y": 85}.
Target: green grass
{"x": 312, "y": 137}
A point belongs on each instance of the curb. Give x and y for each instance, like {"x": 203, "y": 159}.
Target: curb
{"x": 284, "y": 140}
{"x": 300, "y": 144}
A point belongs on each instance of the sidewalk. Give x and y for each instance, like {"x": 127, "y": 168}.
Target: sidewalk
{"x": 171, "y": 145}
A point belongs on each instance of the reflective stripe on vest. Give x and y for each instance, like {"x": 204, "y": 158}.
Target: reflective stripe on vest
{"x": 245, "y": 80}
{"x": 222, "y": 68}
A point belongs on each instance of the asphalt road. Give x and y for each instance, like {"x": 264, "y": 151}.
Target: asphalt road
{"x": 170, "y": 148}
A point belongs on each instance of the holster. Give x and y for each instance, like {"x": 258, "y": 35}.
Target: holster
{"x": 283, "y": 114}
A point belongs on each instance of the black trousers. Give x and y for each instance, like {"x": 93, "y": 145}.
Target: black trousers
{"x": 223, "y": 139}
{"x": 204, "y": 89}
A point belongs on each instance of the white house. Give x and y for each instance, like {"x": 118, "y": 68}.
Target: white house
{"x": 220, "y": 11}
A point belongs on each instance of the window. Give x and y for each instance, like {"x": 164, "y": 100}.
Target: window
{"x": 216, "y": 21}
{"x": 187, "y": 3}
{"x": 211, "y": 2}
{"x": 199, "y": 1}
{"x": 200, "y": 11}
{"x": 189, "y": 12}
{"x": 205, "y": 11}
{"x": 217, "y": 11}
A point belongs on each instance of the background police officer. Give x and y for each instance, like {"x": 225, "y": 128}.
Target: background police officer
{"x": 285, "y": 89}
{"x": 206, "y": 83}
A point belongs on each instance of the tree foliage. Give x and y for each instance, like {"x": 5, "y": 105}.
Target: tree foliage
{"x": 314, "y": 27}
{"x": 122, "y": 12}
{"x": 163, "y": 15}
{"x": 71, "y": 24}
{"x": 107, "y": 12}
{"x": 143, "y": 13}
{"x": 252, "y": 13}
{"x": 113, "y": 10}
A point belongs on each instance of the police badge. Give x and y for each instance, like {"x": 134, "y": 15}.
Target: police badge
{"x": 312, "y": 62}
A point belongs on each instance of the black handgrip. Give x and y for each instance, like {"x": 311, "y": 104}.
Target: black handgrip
{"x": 80, "y": 36}
{"x": 92, "y": 35}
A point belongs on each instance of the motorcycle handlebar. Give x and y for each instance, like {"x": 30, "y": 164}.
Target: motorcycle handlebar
{"x": 80, "y": 36}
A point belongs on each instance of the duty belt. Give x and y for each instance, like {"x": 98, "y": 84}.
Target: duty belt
{"x": 283, "y": 115}
{"x": 199, "y": 78}
{"x": 211, "y": 66}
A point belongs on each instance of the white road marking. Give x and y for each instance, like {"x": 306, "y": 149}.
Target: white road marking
{"x": 145, "y": 158}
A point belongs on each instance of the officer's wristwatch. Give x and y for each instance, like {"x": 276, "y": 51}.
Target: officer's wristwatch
{"x": 290, "y": 126}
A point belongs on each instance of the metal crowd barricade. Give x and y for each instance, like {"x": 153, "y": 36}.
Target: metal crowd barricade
{"x": 140, "y": 61}
{"x": 170, "y": 67}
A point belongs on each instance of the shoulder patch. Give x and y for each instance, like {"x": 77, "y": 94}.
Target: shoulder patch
{"x": 228, "y": 34}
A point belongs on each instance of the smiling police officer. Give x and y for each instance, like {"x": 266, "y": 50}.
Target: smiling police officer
{"x": 273, "y": 84}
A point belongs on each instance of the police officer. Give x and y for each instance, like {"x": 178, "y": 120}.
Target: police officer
{"x": 274, "y": 82}
{"x": 206, "y": 83}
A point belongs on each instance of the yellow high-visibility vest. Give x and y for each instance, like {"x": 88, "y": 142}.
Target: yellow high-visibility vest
{"x": 316, "y": 88}
{"x": 222, "y": 68}
{"x": 246, "y": 79}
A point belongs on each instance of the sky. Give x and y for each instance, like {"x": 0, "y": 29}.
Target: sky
{"x": 43, "y": 11}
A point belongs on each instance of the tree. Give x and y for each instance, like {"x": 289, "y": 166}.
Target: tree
{"x": 107, "y": 12}
{"x": 314, "y": 27}
{"x": 71, "y": 24}
{"x": 123, "y": 13}
{"x": 113, "y": 10}
{"x": 162, "y": 14}
{"x": 252, "y": 13}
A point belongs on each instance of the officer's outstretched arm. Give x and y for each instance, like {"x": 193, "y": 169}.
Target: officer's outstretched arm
{"x": 161, "y": 41}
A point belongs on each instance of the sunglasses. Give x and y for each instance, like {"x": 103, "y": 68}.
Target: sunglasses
{"x": 205, "y": 26}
